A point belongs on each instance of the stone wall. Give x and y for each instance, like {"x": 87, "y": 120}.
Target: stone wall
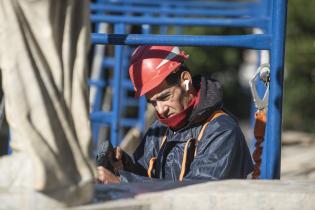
{"x": 221, "y": 195}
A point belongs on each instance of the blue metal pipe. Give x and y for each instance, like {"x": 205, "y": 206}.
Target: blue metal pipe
{"x": 203, "y": 4}
{"x": 97, "y": 83}
{"x": 259, "y": 41}
{"x": 101, "y": 117}
{"x": 108, "y": 62}
{"x": 272, "y": 151}
{"x": 126, "y": 83}
{"x": 265, "y": 9}
{"x": 174, "y": 11}
{"x": 261, "y": 22}
{"x": 106, "y": 118}
{"x": 119, "y": 28}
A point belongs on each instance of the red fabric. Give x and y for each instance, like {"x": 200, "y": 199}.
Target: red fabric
{"x": 177, "y": 121}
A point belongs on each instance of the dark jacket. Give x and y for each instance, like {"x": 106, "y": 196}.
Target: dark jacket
{"x": 222, "y": 152}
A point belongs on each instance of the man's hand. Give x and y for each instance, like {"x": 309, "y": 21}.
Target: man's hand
{"x": 109, "y": 157}
{"x": 106, "y": 177}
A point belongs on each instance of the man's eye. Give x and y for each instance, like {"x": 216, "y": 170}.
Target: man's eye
{"x": 165, "y": 97}
{"x": 153, "y": 103}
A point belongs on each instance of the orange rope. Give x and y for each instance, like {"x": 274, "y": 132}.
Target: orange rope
{"x": 259, "y": 132}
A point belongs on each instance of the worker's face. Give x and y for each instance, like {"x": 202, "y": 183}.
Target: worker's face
{"x": 168, "y": 100}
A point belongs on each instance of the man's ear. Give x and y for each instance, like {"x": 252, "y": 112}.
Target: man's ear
{"x": 186, "y": 80}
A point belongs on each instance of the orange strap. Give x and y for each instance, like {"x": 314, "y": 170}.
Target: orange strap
{"x": 183, "y": 168}
{"x": 153, "y": 159}
{"x": 212, "y": 117}
{"x": 151, "y": 164}
{"x": 184, "y": 161}
{"x": 259, "y": 132}
{"x": 163, "y": 140}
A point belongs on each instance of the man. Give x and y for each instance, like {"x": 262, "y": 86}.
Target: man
{"x": 193, "y": 138}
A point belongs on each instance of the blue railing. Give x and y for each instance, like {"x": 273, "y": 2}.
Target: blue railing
{"x": 181, "y": 11}
{"x": 268, "y": 15}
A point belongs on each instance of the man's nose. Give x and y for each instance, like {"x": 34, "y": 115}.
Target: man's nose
{"x": 161, "y": 109}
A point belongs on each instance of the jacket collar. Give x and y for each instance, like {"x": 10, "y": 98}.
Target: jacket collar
{"x": 210, "y": 101}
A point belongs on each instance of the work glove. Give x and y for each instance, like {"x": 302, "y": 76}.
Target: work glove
{"x": 109, "y": 157}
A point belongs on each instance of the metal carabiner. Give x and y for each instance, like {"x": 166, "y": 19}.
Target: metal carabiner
{"x": 264, "y": 75}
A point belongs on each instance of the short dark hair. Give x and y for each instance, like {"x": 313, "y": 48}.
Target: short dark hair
{"x": 174, "y": 78}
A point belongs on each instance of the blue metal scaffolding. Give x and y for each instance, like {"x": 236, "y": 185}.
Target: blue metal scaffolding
{"x": 267, "y": 15}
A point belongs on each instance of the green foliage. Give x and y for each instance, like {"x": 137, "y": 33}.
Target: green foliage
{"x": 301, "y": 18}
{"x": 221, "y": 63}
{"x": 299, "y": 97}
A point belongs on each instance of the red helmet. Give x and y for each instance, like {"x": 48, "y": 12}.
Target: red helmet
{"x": 150, "y": 65}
